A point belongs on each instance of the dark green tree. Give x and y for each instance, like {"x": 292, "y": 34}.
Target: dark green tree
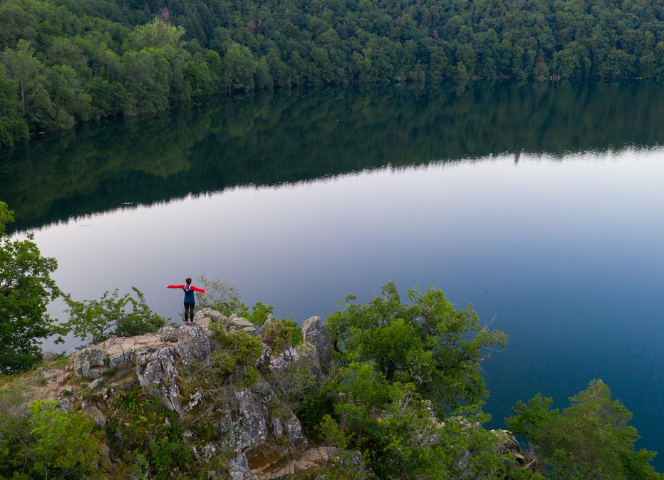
{"x": 428, "y": 343}
{"x": 29, "y": 76}
{"x": 26, "y": 288}
{"x": 239, "y": 68}
{"x": 591, "y": 439}
{"x": 13, "y": 126}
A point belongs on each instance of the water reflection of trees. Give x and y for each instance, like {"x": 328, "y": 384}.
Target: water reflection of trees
{"x": 303, "y": 134}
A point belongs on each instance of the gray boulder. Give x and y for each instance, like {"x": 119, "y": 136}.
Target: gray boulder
{"x": 295, "y": 369}
{"x": 89, "y": 362}
{"x": 207, "y": 316}
{"x": 241, "y": 323}
{"x": 315, "y": 332}
{"x": 194, "y": 344}
{"x": 115, "y": 352}
{"x": 170, "y": 332}
{"x": 157, "y": 375}
{"x": 251, "y": 420}
{"x": 93, "y": 385}
{"x": 277, "y": 427}
{"x": 293, "y": 429}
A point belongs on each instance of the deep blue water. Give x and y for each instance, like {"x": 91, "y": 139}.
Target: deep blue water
{"x": 551, "y": 228}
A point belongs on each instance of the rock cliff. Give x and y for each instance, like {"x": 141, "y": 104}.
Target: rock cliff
{"x": 258, "y": 431}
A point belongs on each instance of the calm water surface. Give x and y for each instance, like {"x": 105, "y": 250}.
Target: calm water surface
{"x": 540, "y": 205}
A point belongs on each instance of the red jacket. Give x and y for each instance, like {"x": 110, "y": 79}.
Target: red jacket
{"x": 188, "y": 292}
{"x": 191, "y": 287}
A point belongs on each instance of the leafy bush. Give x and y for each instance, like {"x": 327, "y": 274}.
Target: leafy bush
{"x": 64, "y": 442}
{"x": 278, "y": 336}
{"x": 141, "y": 424}
{"x": 296, "y": 336}
{"x": 330, "y": 432}
{"x": 169, "y": 454}
{"x": 237, "y": 350}
{"x": 109, "y": 316}
{"x": 258, "y": 314}
{"x": 13, "y": 434}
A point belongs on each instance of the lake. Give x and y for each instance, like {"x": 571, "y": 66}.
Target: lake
{"x": 542, "y": 205}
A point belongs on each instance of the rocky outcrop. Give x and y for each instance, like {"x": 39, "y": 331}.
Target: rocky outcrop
{"x": 118, "y": 353}
{"x": 157, "y": 374}
{"x": 314, "y": 331}
{"x": 508, "y": 446}
{"x": 238, "y": 468}
{"x": 206, "y": 316}
{"x": 244, "y": 418}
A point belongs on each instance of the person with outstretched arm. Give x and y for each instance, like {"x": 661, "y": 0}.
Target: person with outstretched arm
{"x": 189, "y": 299}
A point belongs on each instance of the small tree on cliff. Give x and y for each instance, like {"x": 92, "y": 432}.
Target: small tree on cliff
{"x": 98, "y": 320}
{"x": 26, "y": 288}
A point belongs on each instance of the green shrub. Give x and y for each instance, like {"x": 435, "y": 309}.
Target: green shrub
{"x": 139, "y": 434}
{"x": 278, "y": 336}
{"x": 330, "y": 432}
{"x": 258, "y": 314}
{"x": 140, "y": 469}
{"x": 64, "y": 442}
{"x": 237, "y": 350}
{"x": 169, "y": 454}
{"x": 13, "y": 435}
{"x": 296, "y": 337}
{"x": 109, "y": 316}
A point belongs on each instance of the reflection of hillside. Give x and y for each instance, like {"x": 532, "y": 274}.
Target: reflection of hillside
{"x": 265, "y": 139}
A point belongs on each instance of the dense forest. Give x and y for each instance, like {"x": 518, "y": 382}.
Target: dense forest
{"x": 67, "y": 61}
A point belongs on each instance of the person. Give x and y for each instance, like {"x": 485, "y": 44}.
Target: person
{"x": 189, "y": 299}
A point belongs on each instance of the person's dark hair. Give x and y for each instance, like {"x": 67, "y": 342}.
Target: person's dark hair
{"x": 188, "y": 280}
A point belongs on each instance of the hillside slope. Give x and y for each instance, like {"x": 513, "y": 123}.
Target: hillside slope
{"x": 68, "y": 61}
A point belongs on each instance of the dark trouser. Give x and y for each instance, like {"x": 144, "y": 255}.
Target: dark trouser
{"x": 189, "y": 308}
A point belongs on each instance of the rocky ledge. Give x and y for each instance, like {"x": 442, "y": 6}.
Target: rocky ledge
{"x": 247, "y": 420}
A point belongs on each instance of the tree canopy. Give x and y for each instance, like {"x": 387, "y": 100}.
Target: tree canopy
{"x": 589, "y": 439}
{"x": 26, "y": 288}
{"x": 428, "y": 343}
{"x": 130, "y": 59}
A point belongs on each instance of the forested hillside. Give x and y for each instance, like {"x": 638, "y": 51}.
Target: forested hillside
{"x": 66, "y": 61}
